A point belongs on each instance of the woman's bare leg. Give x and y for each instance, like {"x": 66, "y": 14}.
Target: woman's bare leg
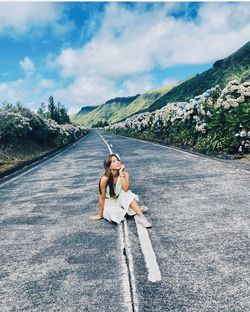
{"x": 136, "y": 208}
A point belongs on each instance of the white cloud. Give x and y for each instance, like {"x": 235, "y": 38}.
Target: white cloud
{"x": 27, "y": 65}
{"x": 12, "y": 91}
{"x": 222, "y": 28}
{"x": 18, "y": 18}
{"x": 46, "y": 83}
{"x": 127, "y": 46}
{"x": 137, "y": 84}
{"x": 86, "y": 90}
{"x": 132, "y": 42}
{"x": 30, "y": 90}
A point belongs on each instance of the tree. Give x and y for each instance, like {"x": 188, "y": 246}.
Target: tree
{"x": 64, "y": 118}
{"x": 7, "y": 106}
{"x": 19, "y": 106}
{"x": 42, "y": 110}
{"x": 58, "y": 112}
{"x": 100, "y": 124}
{"x": 52, "y": 108}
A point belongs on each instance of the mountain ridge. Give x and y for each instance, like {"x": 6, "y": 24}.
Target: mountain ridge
{"x": 234, "y": 66}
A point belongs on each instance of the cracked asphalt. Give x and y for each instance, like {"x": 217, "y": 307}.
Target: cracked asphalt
{"x": 54, "y": 258}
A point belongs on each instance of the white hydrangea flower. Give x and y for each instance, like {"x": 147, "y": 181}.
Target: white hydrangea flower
{"x": 243, "y": 133}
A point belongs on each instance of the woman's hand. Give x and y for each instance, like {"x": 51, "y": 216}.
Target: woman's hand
{"x": 96, "y": 217}
{"x": 121, "y": 169}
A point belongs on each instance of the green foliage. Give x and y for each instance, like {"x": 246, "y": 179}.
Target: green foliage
{"x": 119, "y": 108}
{"x": 100, "y": 124}
{"x": 56, "y": 112}
{"x": 214, "y": 122}
{"x": 13, "y": 124}
{"x": 42, "y": 111}
{"x": 62, "y": 114}
{"x": 17, "y": 121}
{"x": 235, "y": 66}
{"x": 52, "y": 109}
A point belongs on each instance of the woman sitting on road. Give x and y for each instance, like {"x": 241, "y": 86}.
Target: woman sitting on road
{"x": 115, "y": 198}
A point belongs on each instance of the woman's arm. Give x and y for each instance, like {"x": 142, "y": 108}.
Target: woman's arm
{"x": 124, "y": 179}
{"x": 101, "y": 204}
{"x": 101, "y": 201}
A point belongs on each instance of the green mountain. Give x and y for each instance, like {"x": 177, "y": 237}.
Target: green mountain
{"x": 103, "y": 112}
{"x": 86, "y": 109}
{"x": 119, "y": 108}
{"x": 142, "y": 102}
{"x": 235, "y": 66}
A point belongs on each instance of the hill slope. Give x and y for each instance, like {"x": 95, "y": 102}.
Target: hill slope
{"x": 142, "y": 102}
{"x": 120, "y": 108}
{"x": 86, "y": 109}
{"x": 235, "y": 66}
{"x": 104, "y": 111}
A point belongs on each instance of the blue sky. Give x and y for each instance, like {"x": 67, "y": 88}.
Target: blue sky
{"x": 85, "y": 53}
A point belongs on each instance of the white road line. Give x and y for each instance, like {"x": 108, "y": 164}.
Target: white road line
{"x": 125, "y": 275}
{"x": 39, "y": 165}
{"x": 181, "y": 151}
{"x": 154, "y": 273}
{"x": 104, "y": 142}
{"x": 131, "y": 266}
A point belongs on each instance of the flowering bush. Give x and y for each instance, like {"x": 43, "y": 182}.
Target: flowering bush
{"x": 244, "y": 140}
{"x": 21, "y": 122}
{"x": 13, "y": 125}
{"x": 61, "y": 135}
{"x": 214, "y": 121}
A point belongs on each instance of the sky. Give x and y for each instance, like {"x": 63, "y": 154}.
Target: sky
{"x": 85, "y": 53}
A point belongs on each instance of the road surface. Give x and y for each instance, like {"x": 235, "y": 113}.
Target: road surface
{"x": 54, "y": 258}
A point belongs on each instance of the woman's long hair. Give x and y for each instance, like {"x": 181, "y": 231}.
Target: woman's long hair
{"x": 107, "y": 173}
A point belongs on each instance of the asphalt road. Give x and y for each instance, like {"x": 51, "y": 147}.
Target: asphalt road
{"x": 54, "y": 258}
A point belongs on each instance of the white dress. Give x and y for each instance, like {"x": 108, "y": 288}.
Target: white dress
{"x": 115, "y": 209}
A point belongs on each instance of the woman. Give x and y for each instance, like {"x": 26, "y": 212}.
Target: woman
{"x": 115, "y": 198}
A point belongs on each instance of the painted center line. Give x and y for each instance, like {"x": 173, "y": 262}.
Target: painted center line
{"x": 154, "y": 274}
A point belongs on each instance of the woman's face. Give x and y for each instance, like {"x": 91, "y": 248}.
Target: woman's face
{"x": 115, "y": 164}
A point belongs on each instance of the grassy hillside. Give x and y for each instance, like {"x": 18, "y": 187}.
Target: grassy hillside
{"x": 235, "y": 66}
{"x": 86, "y": 109}
{"x": 103, "y": 112}
{"x": 119, "y": 108}
{"x": 142, "y": 102}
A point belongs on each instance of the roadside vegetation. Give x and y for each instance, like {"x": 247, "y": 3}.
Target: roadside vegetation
{"x": 26, "y": 135}
{"x": 215, "y": 122}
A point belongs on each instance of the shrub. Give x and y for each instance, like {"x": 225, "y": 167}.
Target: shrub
{"x": 18, "y": 121}
{"x": 13, "y": 125}
{"x": 217, "y": 120}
